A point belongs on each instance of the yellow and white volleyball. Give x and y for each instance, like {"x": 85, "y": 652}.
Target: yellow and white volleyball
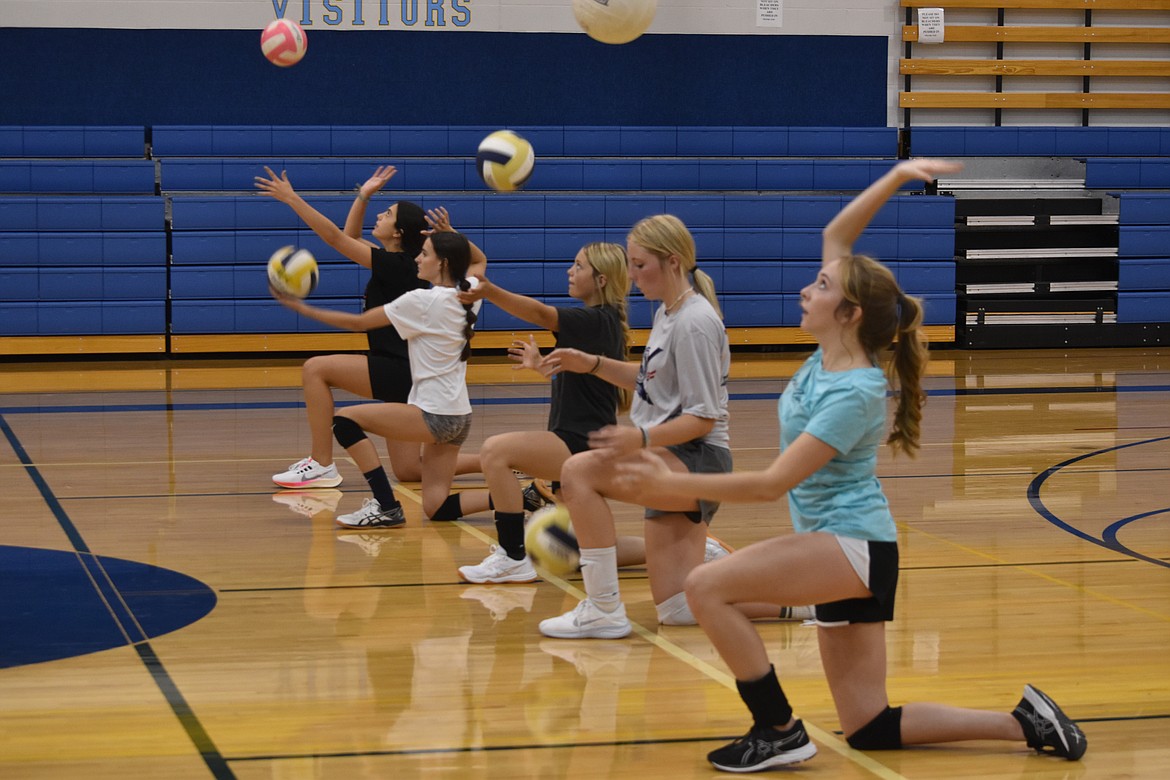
{"x": 283, "y": 42}
{"x": 614, "y": 21}
{"x": 504, "y": 161}
{"x": 550, "y": 541}
{"x": 293, "y": 271}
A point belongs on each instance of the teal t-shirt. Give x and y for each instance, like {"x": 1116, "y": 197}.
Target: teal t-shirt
{"x": 847, "y": 411}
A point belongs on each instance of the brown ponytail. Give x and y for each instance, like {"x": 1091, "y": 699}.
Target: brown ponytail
{"x": 889, "y": 316}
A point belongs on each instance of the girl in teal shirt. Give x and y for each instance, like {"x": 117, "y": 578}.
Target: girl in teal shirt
{"x": 844, "y": 556}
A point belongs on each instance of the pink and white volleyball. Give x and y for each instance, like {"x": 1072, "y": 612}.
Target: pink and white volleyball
{"x": 283, "y": 42}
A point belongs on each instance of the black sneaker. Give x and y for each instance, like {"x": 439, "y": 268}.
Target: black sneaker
{"x": 1047, "y": 728}
{"x": 534, "y": 497}
{"x": 764, "y": 747}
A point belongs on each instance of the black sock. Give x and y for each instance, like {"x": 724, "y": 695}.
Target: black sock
{"x": 766, "y": 700}
{"x": 510, "y": 531}
{"x": 379, "y": 483}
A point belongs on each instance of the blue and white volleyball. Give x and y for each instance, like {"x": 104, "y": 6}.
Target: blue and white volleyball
{"x": 550, "y": 542}
{"x": 504, "y": 161}
{"x": 293, "y": 271}
{"x": 614, "y": 21}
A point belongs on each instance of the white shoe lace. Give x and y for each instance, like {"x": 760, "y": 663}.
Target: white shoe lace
{"x": 301, "y": 464}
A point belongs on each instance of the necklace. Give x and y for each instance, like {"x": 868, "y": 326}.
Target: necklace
{"x": 673, "y": 305}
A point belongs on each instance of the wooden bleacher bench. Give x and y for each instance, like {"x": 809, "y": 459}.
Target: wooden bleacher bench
{"x": 1041, "y": 36}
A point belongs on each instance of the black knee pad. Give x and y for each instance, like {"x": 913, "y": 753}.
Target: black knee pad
{"x": 347, "y": 432}
{"x": 450, "y": 509}
{"x": 884, "y": 732}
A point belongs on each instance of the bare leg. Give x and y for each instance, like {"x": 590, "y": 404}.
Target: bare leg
{"x": 815, "y": 571}
{"x": 319, "y": 376}
{"x": 438, "y": 467}
{"x": 674, "y": 546}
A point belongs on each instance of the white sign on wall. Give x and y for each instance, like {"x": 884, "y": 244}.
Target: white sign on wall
{"x": 769, "y": 13}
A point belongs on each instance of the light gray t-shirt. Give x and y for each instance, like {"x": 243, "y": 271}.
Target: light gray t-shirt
{"x": 684, "y": 369}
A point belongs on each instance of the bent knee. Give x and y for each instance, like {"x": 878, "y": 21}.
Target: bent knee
{"x": 884, "y": 732}
{"x": 700, "y": 586}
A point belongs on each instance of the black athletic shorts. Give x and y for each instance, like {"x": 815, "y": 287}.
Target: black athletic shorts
{"x": 879, "y": 561}
{"x": 576, "y": 442}
{"x": 389, "y": 377}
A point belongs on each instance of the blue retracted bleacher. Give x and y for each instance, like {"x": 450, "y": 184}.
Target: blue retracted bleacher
{"x": 72, "y": 141}
{"x": 1143, "y": 258}
{"x": 75, "y": 229}
{"x": 547, "y": 141}
{"x": 1039, "y": 141}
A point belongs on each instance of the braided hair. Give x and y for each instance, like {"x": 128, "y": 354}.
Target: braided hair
{"x": 454, "y": 251}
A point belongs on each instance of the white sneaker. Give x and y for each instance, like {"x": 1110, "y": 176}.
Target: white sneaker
{"x": 372, "y": 516}
{"x": 716, "y": 548}
{"x": 308, "y": 473}
{"x": 499, "y": 567}
{"x": 309, "y": 502}
{"x": 588, "y": 621}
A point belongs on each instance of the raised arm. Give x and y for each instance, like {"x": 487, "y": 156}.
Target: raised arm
{"x": 521, "y": 306}
{"x": 842, "y": 232}
{"x": 355, "y": 220}
{"x": 280, "y": 188}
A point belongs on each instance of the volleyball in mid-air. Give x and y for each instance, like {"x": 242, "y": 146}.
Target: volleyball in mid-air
{"x": 283, "y": 42}
{"x": 504, "y": 161}
{"x": 614, "y": 21}
{"x": 293, "y": 271}
{"x": 550, "y": 542}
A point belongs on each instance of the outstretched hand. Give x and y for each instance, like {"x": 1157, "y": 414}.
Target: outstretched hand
{"x": 439, "y": 220}
{"x": 278, "y": 187}
{"x": 618, "y": 440}
{"x": 374, "y": 184}
{"x": 284, "y": 298}
{"x": 567, "y": 359}
{"x": 525, "y": 353}
{"x": 641, "y": 472}
{"x": 928, "y": 169}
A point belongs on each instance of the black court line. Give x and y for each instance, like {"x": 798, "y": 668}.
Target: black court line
{"x": 123, "y": 617}
{"x": 488, "y": 748}
{"x": 573, "y": 745}
{"x": 770, "y": 396}
{"x": 635, "y": 573}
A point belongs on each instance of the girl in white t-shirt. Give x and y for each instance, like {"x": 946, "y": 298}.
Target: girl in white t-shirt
{"x": 438, "y": 330}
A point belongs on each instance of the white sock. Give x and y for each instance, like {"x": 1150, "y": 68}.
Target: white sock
{"x": 675, "y": 611}
{"x": 599, "y": 570}
{"x": 797, "y": 613}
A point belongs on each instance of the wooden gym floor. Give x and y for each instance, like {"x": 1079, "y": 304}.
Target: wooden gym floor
{"x": 165, "y": 613}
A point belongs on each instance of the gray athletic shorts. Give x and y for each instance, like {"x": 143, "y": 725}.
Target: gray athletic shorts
{"x": 699, "y": 458}
{"x": 448, "y": 428}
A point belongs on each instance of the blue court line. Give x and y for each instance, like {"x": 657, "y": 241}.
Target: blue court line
{"x": 123, "y": 617}
{"x": 196, "y": 407}
{"x": 1108, "y": 540}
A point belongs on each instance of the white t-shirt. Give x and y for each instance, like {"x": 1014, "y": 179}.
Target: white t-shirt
{"x": 684, "y": 369}
{"x": 432, "y": 322}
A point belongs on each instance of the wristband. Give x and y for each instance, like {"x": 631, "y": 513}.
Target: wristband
{"x": 645, "y": 438}
{"x": 362, "y": 197}
{"x": 596, "y": 366}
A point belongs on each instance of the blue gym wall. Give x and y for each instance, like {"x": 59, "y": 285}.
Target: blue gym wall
{"x": 149, "y": 77}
